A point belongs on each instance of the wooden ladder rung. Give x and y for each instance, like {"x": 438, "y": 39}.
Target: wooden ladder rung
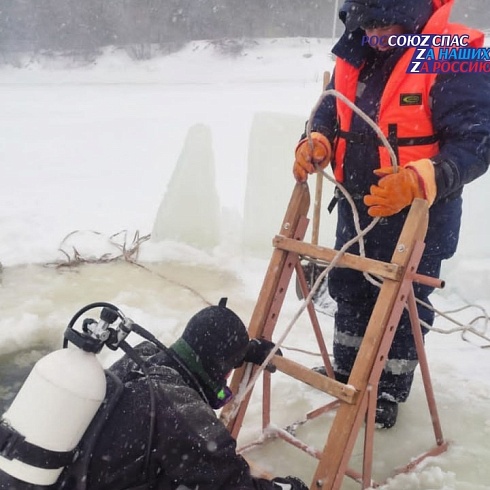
{"x": 346, "y": 393}
{"x": 362, "y": 264}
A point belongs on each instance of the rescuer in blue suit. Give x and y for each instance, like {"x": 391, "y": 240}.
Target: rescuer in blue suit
{"x": 439, "y": 128}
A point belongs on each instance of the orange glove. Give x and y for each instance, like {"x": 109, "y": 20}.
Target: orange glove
{"x": 396, "y": 191}
{"x": 306, "y": 157}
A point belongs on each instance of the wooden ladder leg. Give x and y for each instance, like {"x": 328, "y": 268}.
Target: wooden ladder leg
{"x": 268, "y": 306}
{"x": 343, "y": 433}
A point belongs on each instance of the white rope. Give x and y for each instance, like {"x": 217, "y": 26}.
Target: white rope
{"x": 464, "y": 328}
{"x": 359, "y": 112}
{"x": 344, "y": 191}
{"x": 240, "y": 396}
{"x": 359, "y": 238}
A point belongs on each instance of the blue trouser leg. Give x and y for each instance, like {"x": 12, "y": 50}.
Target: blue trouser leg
{"x": 355, "y": 298}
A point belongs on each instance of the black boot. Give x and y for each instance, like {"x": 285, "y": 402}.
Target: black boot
{"x": 338, "y": 377}
{"x": 386, "y": 413}
{"x": 320, "y": 370}
{"x": 386, "y": 410}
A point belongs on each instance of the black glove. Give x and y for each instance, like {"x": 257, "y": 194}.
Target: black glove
{"x": 289, "y": 483}
{"x": 258, "y": 350}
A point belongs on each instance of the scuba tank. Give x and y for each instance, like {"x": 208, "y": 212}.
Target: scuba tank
{"x": 40, "y": 431}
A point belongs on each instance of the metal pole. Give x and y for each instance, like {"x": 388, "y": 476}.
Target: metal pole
{"x": 335, "y": 17}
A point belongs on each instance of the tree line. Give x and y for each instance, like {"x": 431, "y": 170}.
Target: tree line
{"x": 91, "y": 24}
{"x": 88, "y": 25}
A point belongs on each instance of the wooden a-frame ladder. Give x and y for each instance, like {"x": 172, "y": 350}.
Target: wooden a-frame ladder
{"x": 356, "y": 401}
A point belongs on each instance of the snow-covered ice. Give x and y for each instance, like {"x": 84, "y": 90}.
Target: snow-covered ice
{"x": 91, "y": 151}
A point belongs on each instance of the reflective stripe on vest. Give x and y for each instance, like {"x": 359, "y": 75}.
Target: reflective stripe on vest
{"x": 405, "y": 116}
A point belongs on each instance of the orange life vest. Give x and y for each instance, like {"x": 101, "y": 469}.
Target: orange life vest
{"x": 406, "y": 122}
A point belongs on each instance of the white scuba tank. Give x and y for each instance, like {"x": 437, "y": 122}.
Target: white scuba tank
{"x": 54, "y": 408}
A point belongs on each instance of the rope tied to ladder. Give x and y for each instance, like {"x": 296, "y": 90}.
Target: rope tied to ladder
{"x": 247, "y": 386}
